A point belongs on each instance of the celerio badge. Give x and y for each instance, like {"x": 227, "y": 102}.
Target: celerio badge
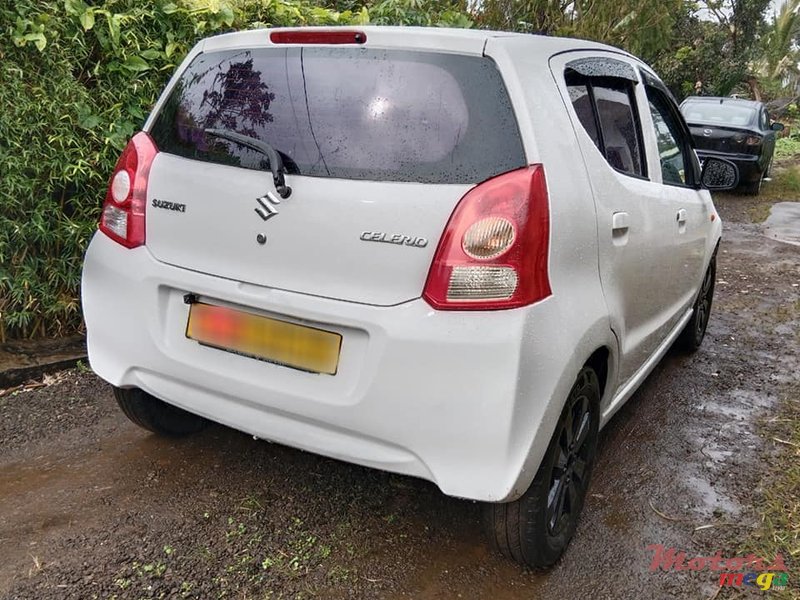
{"x": 395, "y": 238}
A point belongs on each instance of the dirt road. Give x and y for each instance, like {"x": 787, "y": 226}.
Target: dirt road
{"x": 92, "y": 507}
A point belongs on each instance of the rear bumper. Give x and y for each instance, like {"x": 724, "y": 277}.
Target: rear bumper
{"x": 750, "y": 166}
{"x": 420, "y": 392}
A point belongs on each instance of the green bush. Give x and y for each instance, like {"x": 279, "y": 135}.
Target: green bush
{"x": 787, "y": 147}
{"x": 76, "y": 81}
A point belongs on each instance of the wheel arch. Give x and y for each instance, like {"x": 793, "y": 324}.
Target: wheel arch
{"x": 597, "y": 348}
{"x": 600, "y": 362}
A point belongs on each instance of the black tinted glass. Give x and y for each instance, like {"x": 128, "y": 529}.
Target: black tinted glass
{"x": 713, "y": 113}
{"x": 672, "y": 163}
{"x": 619, "y": 127}
{"x": 348, "y": 113}
{"x": 672, "y": 146}
{"x": 582, "y": 103}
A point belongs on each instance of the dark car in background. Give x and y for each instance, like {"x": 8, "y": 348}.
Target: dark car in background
{"x": 736, "y": 129}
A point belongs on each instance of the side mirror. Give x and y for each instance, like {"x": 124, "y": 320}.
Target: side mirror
{"x": 719, "y": 174}
{"x": 777, "y": 127}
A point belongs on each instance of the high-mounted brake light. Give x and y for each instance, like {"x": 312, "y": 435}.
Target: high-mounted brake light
{"x": 316, "y": 36}
{"x": 494, "y": 251}
{"x": 123, "y": 213}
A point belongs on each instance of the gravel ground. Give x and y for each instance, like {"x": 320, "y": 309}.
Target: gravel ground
{"x": 92, "y": 507}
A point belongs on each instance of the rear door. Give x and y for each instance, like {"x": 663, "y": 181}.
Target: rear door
{"x": 635, "y": 220}
{"x": 674, "y": 163}
{"x": 379, "y": 144}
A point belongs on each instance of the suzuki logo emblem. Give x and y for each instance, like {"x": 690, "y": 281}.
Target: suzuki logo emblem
{"x": 268, "y": 206}
{"x": 707, "y": 132}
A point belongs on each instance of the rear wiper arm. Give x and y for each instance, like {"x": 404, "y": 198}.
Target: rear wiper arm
{"x": 275, "y": 161}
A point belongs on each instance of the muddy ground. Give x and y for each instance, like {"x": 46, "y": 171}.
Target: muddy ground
{"x": 92, "y": 507}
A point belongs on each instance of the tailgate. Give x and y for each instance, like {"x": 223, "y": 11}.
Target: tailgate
{"x": 322, "y": 241}
{"x": 379, "y": 146}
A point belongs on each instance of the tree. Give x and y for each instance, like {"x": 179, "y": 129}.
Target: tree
{"x": 713, "y": 46}
{"x": 698, "y": 46}
{"x": 642, "y": 27}
{"x": 778, "y": 62}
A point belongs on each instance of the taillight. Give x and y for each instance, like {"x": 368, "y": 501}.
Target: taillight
{"x": 494, "y": 251}
{"x": 318, "y": 36}
{"x": 124, "y": 208}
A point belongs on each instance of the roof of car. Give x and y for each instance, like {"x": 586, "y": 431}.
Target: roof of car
{"x": 444, "y": 38}
{"x": 724, "y": 100}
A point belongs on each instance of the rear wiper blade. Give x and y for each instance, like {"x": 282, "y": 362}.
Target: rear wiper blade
{"x": 275, "y": 161}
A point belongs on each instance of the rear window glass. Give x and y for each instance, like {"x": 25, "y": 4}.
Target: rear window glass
{"x": 352, "y": 113}
{"x": 713, "y": 112}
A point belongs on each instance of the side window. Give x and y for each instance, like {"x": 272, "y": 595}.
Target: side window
{"x": 621, "y": 140}
{"x": 764, "y": 120}
{"x": 605, "y": 106}
{"x": 582, "y": 103}
{"x": 673, "y": 148}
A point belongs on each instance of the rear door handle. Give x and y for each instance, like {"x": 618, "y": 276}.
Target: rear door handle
{"x": 681, "y": 218}
{"x": 619, "y": 222}
{"x": 619, "y": 228}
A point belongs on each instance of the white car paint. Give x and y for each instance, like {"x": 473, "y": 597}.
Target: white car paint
{"x": 466, "y": 399}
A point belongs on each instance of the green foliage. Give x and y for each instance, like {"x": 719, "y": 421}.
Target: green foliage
{"x": 703, "y": 46}
{"x": 787, "y": 147}
{"x": 78, "y": 80}
{"x": 780, "y": 53}
{"x": 642, "y": 27}
{"x": 711, "y": 50}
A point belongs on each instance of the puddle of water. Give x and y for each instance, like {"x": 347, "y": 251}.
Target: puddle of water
{"x": 783, "y": 223}
{"x": 725, "y": 409}
{"x": 712, "y": 500}
{"x": 716, "y": 453}
{"x": 737, "y": 405}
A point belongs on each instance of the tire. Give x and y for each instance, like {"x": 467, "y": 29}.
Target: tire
{"x": 532, "y": 530}
{"x": 155, "y": 415}
{"x": 768, "y": 171}
{"x": 754, "y": 187}
{"x": 694, "y": 332}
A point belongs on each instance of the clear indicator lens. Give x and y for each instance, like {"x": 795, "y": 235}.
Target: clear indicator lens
{"x": 482, "y": 283}
{"x": 488, "y": 238}
{"x": 116, "y": 220}
{"x": 120, "y": 186}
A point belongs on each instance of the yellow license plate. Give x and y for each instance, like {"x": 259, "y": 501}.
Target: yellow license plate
{"x": 268, "y": 339}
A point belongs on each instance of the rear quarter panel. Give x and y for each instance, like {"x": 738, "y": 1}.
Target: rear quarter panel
{"x": 562, "y": 332}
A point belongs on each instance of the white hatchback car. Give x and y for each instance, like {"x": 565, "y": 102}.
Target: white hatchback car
{"x": 472, "y": 248}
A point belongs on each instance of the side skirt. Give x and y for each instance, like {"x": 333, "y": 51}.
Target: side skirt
{"x": 630, "y": 386}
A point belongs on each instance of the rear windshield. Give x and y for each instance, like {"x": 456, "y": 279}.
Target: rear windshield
{"x": 353, "y": 113}
{"x": 722, "y": 114}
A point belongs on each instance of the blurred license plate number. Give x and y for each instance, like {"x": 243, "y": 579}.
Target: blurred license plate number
{"x": 297, "y": 346}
